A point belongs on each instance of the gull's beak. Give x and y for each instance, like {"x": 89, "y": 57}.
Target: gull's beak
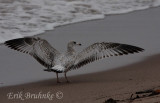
{"x": 80, "y": 44}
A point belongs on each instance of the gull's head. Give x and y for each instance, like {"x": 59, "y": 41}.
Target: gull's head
{"x": 74, "y": 43}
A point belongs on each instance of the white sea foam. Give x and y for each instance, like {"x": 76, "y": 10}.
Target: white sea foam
{"x": 19, "y": 18}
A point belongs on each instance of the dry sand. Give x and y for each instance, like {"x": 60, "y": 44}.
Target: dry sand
{"x": 119, "y": 83}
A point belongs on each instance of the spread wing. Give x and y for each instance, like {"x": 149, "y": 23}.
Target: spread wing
{"x": 102, "y": 50}
{"x": 40, "y": 49}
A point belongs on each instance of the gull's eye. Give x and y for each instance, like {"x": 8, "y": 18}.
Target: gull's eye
{"x": 74, "y": 42}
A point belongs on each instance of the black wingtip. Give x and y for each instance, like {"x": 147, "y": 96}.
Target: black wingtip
{"x": 18, "y": 44}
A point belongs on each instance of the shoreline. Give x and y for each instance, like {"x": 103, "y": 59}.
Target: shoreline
{"x": 139, "y": 28}
{"x": 105, "y": 16}
{"x": 130, "y": 28}
{"x": 100, "y": 16}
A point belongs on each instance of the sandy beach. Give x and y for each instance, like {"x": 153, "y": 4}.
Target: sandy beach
{"x": 114, "y": 80}
{"x": 118, "y": 84}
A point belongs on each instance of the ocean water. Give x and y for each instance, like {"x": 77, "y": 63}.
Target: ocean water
{"x": 20, "y": 18}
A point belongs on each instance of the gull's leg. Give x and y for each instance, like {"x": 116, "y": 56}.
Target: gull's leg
{"x": 66, "y": 77}
{"x": 57, "y": 78}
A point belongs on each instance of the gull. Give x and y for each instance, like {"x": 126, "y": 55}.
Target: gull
{"x": 58, "y": 62}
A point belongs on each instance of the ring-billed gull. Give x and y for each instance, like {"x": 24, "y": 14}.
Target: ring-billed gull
{"x": 58, "y": 62}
